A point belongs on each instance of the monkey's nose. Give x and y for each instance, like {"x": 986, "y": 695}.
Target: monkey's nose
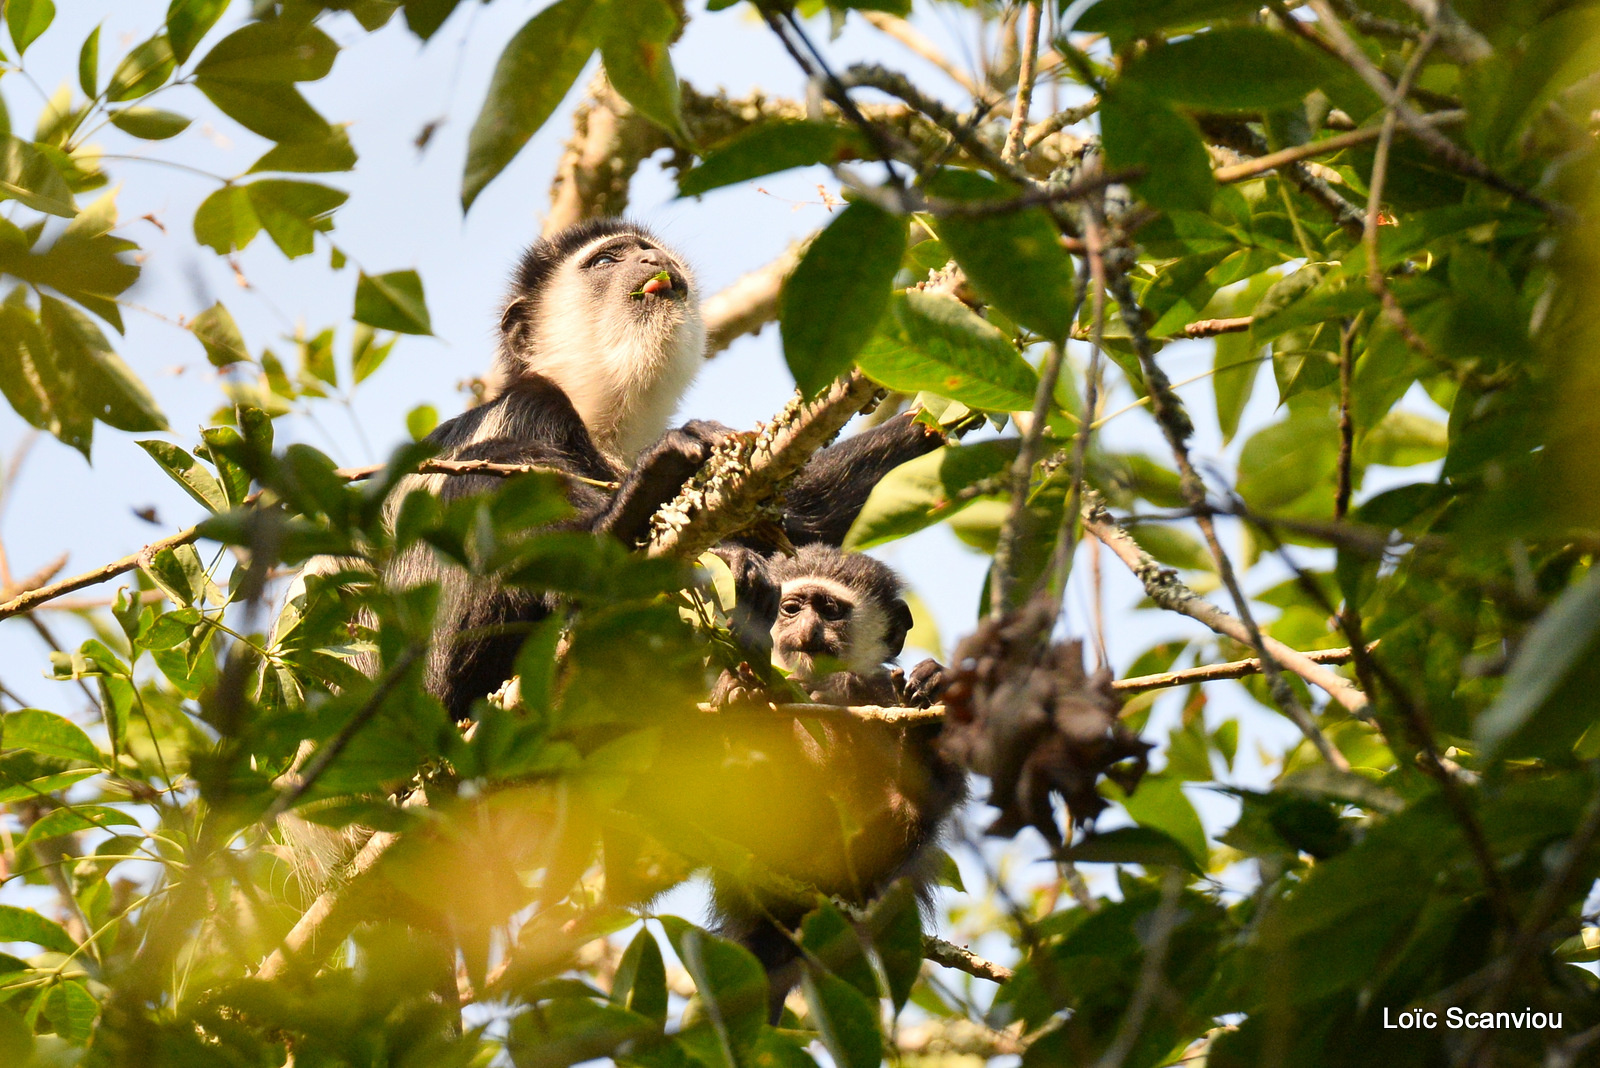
{"x": 652, "y": 258}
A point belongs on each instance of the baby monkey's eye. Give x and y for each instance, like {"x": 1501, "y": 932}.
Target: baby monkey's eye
{"x": 605, "y": 259}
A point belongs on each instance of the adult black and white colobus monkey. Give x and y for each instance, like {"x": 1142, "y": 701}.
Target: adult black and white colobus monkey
{"x": 862, "y": 803}
{"x": 596, "y": 350}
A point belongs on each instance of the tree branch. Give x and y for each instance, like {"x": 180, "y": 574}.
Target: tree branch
{"x": 1238, "y": 172}
{"x": 1163, "y": 587}
{"x": 1019, "y": 113}
{"x": 950, "y": 955}
{"x": 748, "y": 471}
{"x": 750, "y": 303}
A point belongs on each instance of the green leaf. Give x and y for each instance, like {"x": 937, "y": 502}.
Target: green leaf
{"x": 634, "y": 48}
{"x": 85, "y": 262}
{"x": 1230, "y": 68}
{"x": 72, "y": 1011}
{"x": 44, "y": 732}
{"x": 142, "y": 70}
{"x": 219, "y": 334}
{"x": 1283, "y": 462}
{"x": 1137, "y": 18}
{"x": 181, "y": 574}
{"x": 1235, "y": 365}
{"x": 28, "y": 176}
{"x": 770, "y": 147}
{"x": 226, "y": 221}
{"x": 569, "y": 1030}
{"x": 829, "y": 938}
{"x": 16, "y": 1038}
{"x": 832, "y": 302}
{"x": 926, "y": 490}
{"x": 1546, "y": 702}
{"x": 111, "y": 391}
{"x": 421, "y": 420}
{"x": 21, "y": 925}
{"x": 1161, "y": 804}
{"x": 188, "y": 21}
{"x": 293, "y": 212}
{"x": 310, "y": 157}
{"x": 275, "y": 110}
{"x": 367, "y": 355}
{"x": 1140, "y": 130}
{"x": 222, "y": 444}
{"x": 74, "y": 819}
{"x": 27, "y": 20}
{"x": 1403, "y": 439}
{"x": 89, "y": 64}
{"x": 424, "y": 17}
{"x": 34, "y": 382}
{"x": 1133, "y": 845}
{"x": 1014, "y": 259}
{"x": 533, "y": 74}
{"x": 641, "y": 979}
{"x": 392, "y": 301}
{"x": 933, "y": 342}
{"x": 846, "y": 1021}
{"x": 896, "y": 924}
{"x": 273, "y": 50}
{"x": 731, "y": 983}
{"x": 187, "y": 472}
{"x": 152, "y": 124}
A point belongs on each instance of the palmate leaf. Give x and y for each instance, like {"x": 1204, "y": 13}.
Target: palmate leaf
{"x": 533, "y": 74}
{"x": 188, "y": 21}
{"x": 111, "y": 391}
{"x": 23, "y": 925}
{"x": 27, "y": 19}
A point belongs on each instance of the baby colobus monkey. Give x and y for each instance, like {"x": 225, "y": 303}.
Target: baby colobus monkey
{"x": 839, "y": 618}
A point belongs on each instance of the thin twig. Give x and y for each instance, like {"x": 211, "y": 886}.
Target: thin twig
{"x": 1164, "y": 588}
{"x": 471, "y": 467}
{"x": 908, "y": 35}
{"x": 1060, "y": 121}
{"x": 1238, "y": 172}
{"x": 1012, "y": 531}
{"x": 1019, "y": 114}
{"x": 950, "y": 955}
{"x": 1347, "y": 423}
{"x": 1176, "y": 428}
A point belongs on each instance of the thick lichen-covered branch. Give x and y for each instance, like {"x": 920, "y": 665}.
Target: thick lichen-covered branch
{"x": 738, "y": 487}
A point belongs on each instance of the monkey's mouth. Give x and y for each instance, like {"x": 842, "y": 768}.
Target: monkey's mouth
{"x": 662, "y": 285}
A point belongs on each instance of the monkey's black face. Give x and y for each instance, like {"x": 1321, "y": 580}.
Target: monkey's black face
{"x": 632, "y": 272}
{"x": 813, "y": 634}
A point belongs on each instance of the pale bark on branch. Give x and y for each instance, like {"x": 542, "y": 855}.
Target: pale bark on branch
{"x": 1167, "y": 592}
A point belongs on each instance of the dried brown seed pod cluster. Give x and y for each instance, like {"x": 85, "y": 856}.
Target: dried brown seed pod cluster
{"x": 1022, "y": 711}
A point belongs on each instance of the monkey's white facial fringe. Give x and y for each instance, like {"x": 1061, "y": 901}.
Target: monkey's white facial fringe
{"x": 624, "y": 372}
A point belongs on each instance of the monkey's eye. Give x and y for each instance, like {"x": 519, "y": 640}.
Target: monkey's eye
{"x": 792, "y": 606}
{"x": 833, "y": 610}
{"x": 605, "y": 259}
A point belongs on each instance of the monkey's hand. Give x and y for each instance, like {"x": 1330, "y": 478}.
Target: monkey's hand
{"x": 656, "y": 478}
{"x": 925, "y": 685}
{"x": 738, "y": 687}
